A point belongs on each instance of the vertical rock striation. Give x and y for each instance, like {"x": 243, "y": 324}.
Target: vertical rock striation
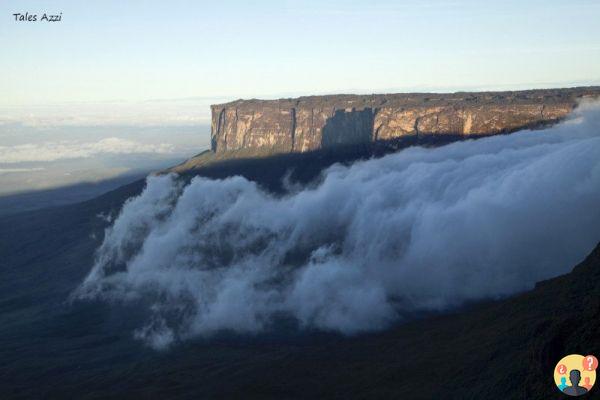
{"x": 318, "y": 122}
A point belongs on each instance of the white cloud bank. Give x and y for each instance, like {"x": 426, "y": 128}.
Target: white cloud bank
{"x": 422, "y": 229}
{"x": 166, "y": 112}
{"x": 53, "y": 151}
{"x": 18, "y": 170}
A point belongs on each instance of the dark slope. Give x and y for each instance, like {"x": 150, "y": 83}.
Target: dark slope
{"x": 501, "y": 350}
{"x": 272, "y": 170}
{"x": 63, "y": 195}
{"x": 51, "y": 348}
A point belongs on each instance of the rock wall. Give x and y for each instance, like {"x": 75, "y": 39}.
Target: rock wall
{"x": 316, "y": 122}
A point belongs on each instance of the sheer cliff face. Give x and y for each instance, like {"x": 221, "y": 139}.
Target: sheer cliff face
{"x": 312, "y": 123}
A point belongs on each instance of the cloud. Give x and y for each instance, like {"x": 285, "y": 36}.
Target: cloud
{"x": 52, "y": 151}
{"x": 191, "y": 111}
{"x": 419, "y": 230}
{"x": 18, "y": 170}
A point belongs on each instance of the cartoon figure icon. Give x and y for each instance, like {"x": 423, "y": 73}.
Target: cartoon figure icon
{"x": 575, "y": 389}
{"x": 575, "y": 375}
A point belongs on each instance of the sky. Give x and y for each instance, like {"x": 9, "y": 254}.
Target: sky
{"x": 143, "y": 72}
{"x": 133, "y": 51}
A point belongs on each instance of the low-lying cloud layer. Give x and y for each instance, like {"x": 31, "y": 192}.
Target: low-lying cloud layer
{"x": 53, "y": 151}
{"x": 423, "y": 229}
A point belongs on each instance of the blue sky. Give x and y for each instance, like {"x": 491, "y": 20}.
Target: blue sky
{"x": 143, "y": 50}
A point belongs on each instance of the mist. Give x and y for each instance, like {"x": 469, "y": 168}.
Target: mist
{"x": 424, "y": 229}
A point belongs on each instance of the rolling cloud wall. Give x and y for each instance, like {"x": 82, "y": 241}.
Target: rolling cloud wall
{"x": 422, "y": 229}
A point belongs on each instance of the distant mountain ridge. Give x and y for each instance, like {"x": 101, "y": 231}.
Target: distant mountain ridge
{"x": 313, "y": 123}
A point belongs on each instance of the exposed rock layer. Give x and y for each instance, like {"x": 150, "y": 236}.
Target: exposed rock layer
{"x": 317, "y": 122}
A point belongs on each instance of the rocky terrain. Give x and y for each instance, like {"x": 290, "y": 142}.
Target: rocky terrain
{"x": 321, "y": 122}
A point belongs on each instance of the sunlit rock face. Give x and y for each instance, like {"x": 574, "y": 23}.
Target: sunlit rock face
{"x": 317, "y": 122}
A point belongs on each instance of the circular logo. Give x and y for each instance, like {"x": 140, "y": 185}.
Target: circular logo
{"x": 575, "y": 374}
